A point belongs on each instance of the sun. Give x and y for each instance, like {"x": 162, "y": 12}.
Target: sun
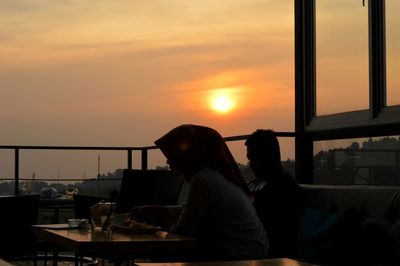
{"x": 222, "y": 104}
{"x": 222, "y": 101}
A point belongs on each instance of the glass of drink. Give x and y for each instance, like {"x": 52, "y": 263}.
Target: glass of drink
{"x": 101, "y": 216}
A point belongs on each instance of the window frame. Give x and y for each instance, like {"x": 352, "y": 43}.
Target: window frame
{"x": 378, "y": 120}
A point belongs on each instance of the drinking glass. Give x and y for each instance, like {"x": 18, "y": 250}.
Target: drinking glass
{"x": 102, "y": 214}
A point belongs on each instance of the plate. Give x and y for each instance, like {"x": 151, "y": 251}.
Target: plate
{"x": 56, "y": 226}
{"x": 135, "y": 230}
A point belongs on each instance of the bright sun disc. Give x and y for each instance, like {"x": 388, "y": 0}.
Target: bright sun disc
{"x": 222, "y": 104}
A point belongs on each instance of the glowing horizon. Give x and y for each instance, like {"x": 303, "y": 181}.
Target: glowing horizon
{"x": 123, "y": 73}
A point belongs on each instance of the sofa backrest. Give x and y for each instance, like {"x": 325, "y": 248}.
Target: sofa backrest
{"x": 370, "y": 201}
{"x": 379, "y": 208}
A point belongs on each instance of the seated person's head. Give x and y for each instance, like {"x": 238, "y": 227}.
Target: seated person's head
{"x": 190, "y": 148}
{"x": 263, "y": 153}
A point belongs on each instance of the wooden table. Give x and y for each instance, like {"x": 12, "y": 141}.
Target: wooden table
{"x": 267, "y": 262}
{"x": 118, "y": 244}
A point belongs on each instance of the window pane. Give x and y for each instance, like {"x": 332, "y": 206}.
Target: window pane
{"x": 342, "y": 56}
{"x": 393, "y": 51}
{"x": 373, "y": 161}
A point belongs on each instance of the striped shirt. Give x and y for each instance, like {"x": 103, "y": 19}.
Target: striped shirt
{"x": 222, "y": 215}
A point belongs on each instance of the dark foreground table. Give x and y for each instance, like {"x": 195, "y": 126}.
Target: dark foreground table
{"x": 267, "y": 262}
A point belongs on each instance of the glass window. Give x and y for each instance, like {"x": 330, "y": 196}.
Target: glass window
{"x": 287, "y": 154}
{"x": 61, "y": 173}
{"x": 7, "y": 172}
{"x": 373, "y": 161}
{"x": 393, "y": 51}
{"x": 341, "y": 56}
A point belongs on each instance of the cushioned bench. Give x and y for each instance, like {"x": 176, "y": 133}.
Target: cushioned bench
{"x": 371, "y": 226}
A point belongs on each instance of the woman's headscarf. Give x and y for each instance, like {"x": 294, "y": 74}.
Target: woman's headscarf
{"x": 193, "y": 147}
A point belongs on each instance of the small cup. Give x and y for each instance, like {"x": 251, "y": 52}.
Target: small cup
{"x": 73, "y": 222}
{"x": 81, "y": 223}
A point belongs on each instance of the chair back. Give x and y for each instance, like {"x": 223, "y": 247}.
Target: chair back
{"x": 19, "y": 212}
{"x": 148, "y": 187}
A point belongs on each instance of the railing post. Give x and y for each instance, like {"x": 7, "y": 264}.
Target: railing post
{"x": 129, "y": 159}
{"x": 16, "y": 171}
{"x": 144, "y": 159}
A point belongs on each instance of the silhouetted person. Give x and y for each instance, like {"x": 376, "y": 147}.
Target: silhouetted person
{"x": 219, "y": 208}
{"x": 279, "y": 201}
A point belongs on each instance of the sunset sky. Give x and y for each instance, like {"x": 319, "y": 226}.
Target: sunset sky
{"x": 124, "y": 72}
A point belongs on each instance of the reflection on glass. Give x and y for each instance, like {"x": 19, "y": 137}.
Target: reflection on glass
{"x": 373, "y": 161}
{"x": 393, "y": 51}
{"x": 342, "y": 56}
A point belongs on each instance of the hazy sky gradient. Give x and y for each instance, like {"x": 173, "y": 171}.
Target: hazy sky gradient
{"x": 124, "y": 72}
{"x": 130, "y": 61}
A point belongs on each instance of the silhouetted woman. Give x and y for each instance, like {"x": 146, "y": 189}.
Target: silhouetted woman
{"x": 219, "y": 208}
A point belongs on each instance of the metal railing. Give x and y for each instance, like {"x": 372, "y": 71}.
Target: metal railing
{"x": 143, "y": 150}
